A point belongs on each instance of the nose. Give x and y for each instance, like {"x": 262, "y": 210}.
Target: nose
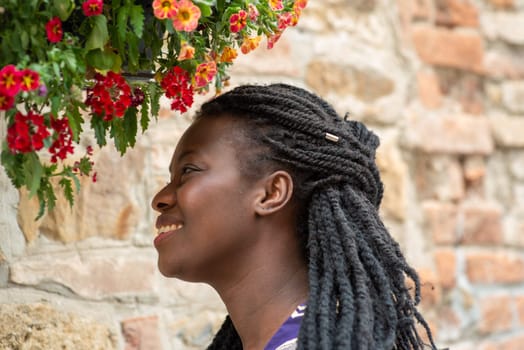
{"x": 164, "y": 199}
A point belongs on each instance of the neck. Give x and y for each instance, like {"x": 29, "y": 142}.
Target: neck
{"x": 260, "y": 300}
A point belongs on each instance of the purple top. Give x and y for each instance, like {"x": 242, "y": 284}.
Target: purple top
{"x": 286, "y": 336}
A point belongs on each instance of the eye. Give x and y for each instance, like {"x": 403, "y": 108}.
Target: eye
{"x": 186, "y": 169}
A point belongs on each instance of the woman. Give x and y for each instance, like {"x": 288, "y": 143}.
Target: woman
{"x": 273, "y": 201}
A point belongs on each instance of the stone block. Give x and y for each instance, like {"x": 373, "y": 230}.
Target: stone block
{"x": 429, "y": 89}
{"x": 446, "y": 264}
{"x": 496, "y": 314}
{"x": 482, "y": 224}
{"x": 494, "y": 267}
{"x": 367, "y": 85}
{"x": 448, "y": 48}
{"x": 451, "y": 134}
{"x": 519, "y": 306}
{"x": 502, "y": 4}
{"x": 508, "y": 131}
{"x": 198, "y": 328}
{"x": 474, "y": 168}
{"x": 513, "y": 96}
{"x": 504, "y": 25}
{"x": 511, "y": 342}
{"x": 393, "y": 171}
{"x": 504, "y": 64}
{"x": 441, "y": 221}
{"x": 93, "y": 275}
{"x": 456, "y": 13}
{"x": 439, "y": 177}
{"x": 141, "y": 333}
{"x": 516, "y": 165}
{"x": 39, "y": 326}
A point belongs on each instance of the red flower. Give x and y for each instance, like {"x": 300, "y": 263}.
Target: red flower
{"x": 92, "y": 7}
{"x": 63, "y": 139}
{"x": 27, "y": 133}
{"x": 110, "y": 97}
{"x": 6, "y": 101}
{"x": 53, "y": 29}
{"x": 177, "y": 86}
{"x": 237, "y": 21}
{"x": 30, "y": 79}
{"x": 9, "y": 80}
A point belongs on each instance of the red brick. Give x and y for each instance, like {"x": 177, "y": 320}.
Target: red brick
{"x": 449, "y": 48}
{"x": 441, "y": 221}
{"x": 446, "y": 263}
{"x": 496, "y": 314}
{"x": 519, "y": 305}
{"x": 505, "y": 4}
{"x": 511, "y": 343}
{"x": 474, "y": 169}
{"x": 429, "y": 89}
{"x": 141, "y": 333}
{"x": 430, "y": 290}
{"x": 452, "y": 13}
{"x": 482, "y": 224}
{"x": 497, "y": 267}
{"x": 439, "y": 177}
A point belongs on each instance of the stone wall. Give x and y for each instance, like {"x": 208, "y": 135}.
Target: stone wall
{"x": 442, "y": 83}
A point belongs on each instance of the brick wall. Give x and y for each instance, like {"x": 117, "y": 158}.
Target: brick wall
{"x": 442, "y": 83}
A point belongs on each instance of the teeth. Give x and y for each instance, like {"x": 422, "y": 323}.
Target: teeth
{"x": 168, "y": 228}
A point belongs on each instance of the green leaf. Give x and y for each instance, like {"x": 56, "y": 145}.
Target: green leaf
{"x": 75, "y": 120}
{"x": 119, "y": 135}
{"x": 205, "y": 8}
{"x": 99, "y": 35}
{"x": 130, "y": 126}
{"x": 136, "y": 17}
{"x": 132, "y": 48}
{"x": 63, "y": 8}
{"x": 144, "y": 117}
{"x": 121, "y": 23}
{"x": 33, "y": 171}
{"x": 67, "y": 186}
{"x": 97, "y": 124}
{"x": 154, "y": 95}
{"x": 104, "y": 60}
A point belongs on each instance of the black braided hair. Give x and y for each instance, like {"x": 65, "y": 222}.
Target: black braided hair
{"x": 358, "y": 298}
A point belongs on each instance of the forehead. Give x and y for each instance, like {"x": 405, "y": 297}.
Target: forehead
{"x": 217, "y": 135}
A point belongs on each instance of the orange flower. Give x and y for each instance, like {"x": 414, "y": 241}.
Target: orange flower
{"x": 186, "y": 17}
{"x": 228, "y": 55}
{"x": 237, "y": 21}
{"x": 187, "y": 52}
{"x": 276, "y": 5}
{"x": 249, "y": 44}
{"x": 299, "y": 5}
{"x": 205, "y": 72}
{"x": 164, "y": 8}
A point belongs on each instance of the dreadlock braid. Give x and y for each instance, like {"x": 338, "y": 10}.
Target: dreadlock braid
{"x": 358, "y": 298}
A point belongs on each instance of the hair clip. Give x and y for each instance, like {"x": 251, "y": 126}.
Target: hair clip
{"x": 331, "y": 137}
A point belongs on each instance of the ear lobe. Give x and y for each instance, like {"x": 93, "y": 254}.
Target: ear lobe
{"x": 278, "y": 188}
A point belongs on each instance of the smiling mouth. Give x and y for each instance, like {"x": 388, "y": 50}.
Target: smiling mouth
{"x": 166, "y": 231}
{"x": 169, "y": 228}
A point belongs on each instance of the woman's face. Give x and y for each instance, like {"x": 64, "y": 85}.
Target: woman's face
{"x": 206, "y": 208}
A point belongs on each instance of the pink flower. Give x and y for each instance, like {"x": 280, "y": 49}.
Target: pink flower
{"x": 92, "y": 7}
{"x": 205, "y": 72}
{"x": 53, "y": 29}
{"x": 276, "y": 5}
{"x": 164, "y": 8}
{"x": 10, "y": 80}
{"x": 252, "y": 12}
{"x": 186, "y": 17}
{"x": 30, "y": 79}
{"x": 187, "y": 52}
{"x": 271, "y": 40}
{"x": 237, "y": 21}
{"x": 285, "y": 20}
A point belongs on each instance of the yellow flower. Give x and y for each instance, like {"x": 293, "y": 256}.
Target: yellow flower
{"x": 228, "y": 55}
{"x": 249, "y": 44}
{"x": 205, "y": 72}
{"x": 186, "y": 17}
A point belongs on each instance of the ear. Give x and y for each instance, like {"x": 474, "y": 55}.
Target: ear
{"x": 275, "y": 193}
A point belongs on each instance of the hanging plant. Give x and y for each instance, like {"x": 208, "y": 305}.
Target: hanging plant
{"x": 67, "y": 65}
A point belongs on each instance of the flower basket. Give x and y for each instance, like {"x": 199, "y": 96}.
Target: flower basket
{"x": 69, "y": 67}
